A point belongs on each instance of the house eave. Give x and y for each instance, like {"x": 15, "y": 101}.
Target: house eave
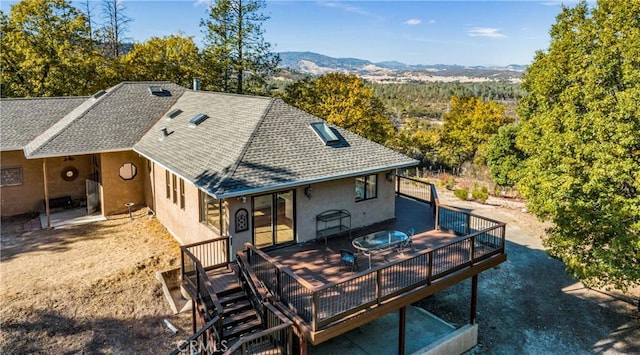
{"x": 66, "y": 154}
{"x": 264, "y": 189}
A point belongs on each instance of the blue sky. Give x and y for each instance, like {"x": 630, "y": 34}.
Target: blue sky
{"x": 414, "y": 32}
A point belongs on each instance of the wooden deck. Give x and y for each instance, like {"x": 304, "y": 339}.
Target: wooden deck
{"x": 319, "y": 264}
{"x": 325, "y": 299}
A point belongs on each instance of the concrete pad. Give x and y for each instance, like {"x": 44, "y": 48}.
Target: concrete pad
{"x": 76, "y": 216}
{"x": 381, "y": 336}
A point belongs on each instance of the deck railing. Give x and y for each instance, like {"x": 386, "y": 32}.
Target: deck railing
{"x": 213, "y": 253}
{"x": 415, "y": 188}
{"x": 276, "y": 339}
{"x": 199, "y": 287}
{"x": 201, "y": 342}
{"x": 319, "y": 306}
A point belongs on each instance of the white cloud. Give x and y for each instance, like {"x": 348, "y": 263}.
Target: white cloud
{"x": 346, "y": 7}
{"x": 201, "y": 3}
{"x": 485, "y": 32}
{"x": 432, "y": 21}
{"x": 412, "y": 22}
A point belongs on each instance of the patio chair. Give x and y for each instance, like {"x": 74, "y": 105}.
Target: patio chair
{"x": 409, "y": 242}
{"x": 348, "y": 258}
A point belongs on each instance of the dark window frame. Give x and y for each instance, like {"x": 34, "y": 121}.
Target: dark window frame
{"x": 182, "y": 197}
{"x": 365, "y": 181}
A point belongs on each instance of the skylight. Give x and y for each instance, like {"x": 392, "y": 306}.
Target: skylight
{"x": 199, "y": 118}
{"x": 156, "y": 90}
{"x": 325, "y": 133}
{"x": 99, "y": 93}
{"x": 173, "y": 113}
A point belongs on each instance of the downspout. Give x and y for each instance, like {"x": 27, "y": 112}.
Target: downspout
{"x": 46, "y": 193}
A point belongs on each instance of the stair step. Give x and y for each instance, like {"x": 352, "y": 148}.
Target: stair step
{"x": 231, "y": 297}
{"x": 236, "y": 307}
{"x": 242, "y": 329}
{"x": 230, "y": 289}
{"x": 242, "y": 317}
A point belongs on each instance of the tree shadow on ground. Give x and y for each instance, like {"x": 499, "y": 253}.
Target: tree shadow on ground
{"x": 14, "y": 242}
{"x": 529, "y": 304}
{"x": 47, "y": 331}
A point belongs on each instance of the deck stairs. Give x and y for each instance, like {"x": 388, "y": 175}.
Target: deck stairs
{"x": 239, "y": 317}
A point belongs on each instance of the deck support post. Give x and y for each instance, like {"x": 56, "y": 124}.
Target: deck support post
{"x": 193, "y": 315}
{"x": 474, "y": 298}
{"x": 46, "y": 193}
{"x": 304, "y": 349}
{"x": 401, "y": 332}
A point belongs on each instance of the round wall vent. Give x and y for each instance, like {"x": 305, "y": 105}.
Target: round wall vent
{"x": 69, "y": 173}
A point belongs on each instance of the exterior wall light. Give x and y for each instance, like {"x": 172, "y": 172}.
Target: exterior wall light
{"x": 389, "y": 176}
{"x": 307, "y": 191}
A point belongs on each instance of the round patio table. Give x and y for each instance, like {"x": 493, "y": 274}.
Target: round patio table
{"x": 379, "y": 241}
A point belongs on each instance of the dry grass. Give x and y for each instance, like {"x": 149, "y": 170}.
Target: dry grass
{"x": 89, "y": 288}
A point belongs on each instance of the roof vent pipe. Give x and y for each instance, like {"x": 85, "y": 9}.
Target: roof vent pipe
{"x": 196, "y": 83}
{"x": 165, "y": 132}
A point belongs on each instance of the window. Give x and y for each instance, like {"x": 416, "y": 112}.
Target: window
{"x": 167, "y": 178}
{"x": 128, "y": 171}
{"x": 174, "y": 180}
{"x": 212, "y": 212}
{"x": 181, "y": 194}
{"x": 366, "y": 187}
{"x": 11, "y": 176}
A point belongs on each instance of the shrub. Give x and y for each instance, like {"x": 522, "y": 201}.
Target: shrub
{"x": 462, "y": 194}
{"x": 450, "y": 183}
{"x": 480, "y": 194}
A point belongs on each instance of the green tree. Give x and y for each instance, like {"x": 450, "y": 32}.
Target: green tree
{"x": 344, "y": 100}
{"x": 235, "y": 51}
{"x": 418, "y": 139}
{"x": 504, "y": 159}
{"x": 581, "y": 133}
{"x": 467, "y": 128}
{"x": 46, "y": 50}
{"x": 174, "y": 58}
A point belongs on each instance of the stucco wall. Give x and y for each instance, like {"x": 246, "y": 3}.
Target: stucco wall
{"x": 116, "y": 192}
{"x": 29, "y": 196}
{"x": 183, "y": 224}
{"x": 186, "y": 227}
{"x": 340, "y": 194}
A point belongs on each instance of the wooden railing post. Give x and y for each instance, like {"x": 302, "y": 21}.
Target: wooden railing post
{"x": 379, "y": 286}
{"x": 430, "y": 268}
{"x": 314, "y": 311}
{"x": 468, "y": 229}
{"x": 278, "y": 284}
{"x": 472, "y": 250}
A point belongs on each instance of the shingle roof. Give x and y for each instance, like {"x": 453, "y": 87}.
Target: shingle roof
{"x": 204, "y": 153}
{"x": 112, "y": 122}
{"x": 249, "y": 144}
{"x": 21, "y": 120}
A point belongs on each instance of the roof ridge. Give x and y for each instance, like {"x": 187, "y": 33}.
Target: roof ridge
{"x": 230, "y": 94}
{"x": 247, "y": 143}
{"x": 57, "y": 128}
{"x": 43, "y": 98}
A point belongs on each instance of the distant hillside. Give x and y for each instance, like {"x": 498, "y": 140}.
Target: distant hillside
{"x": 394, "y": 71}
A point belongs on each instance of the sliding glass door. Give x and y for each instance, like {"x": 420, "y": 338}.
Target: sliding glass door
{"x": 273, "y": 218}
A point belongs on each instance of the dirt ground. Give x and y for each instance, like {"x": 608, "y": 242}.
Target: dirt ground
{"x": 92, "y": 289}
{"x": 529, "y": 305}
{"x": 87, "y": 289}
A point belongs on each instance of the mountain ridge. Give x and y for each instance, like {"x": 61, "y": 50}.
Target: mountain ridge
{"x": 317, "y": 64}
